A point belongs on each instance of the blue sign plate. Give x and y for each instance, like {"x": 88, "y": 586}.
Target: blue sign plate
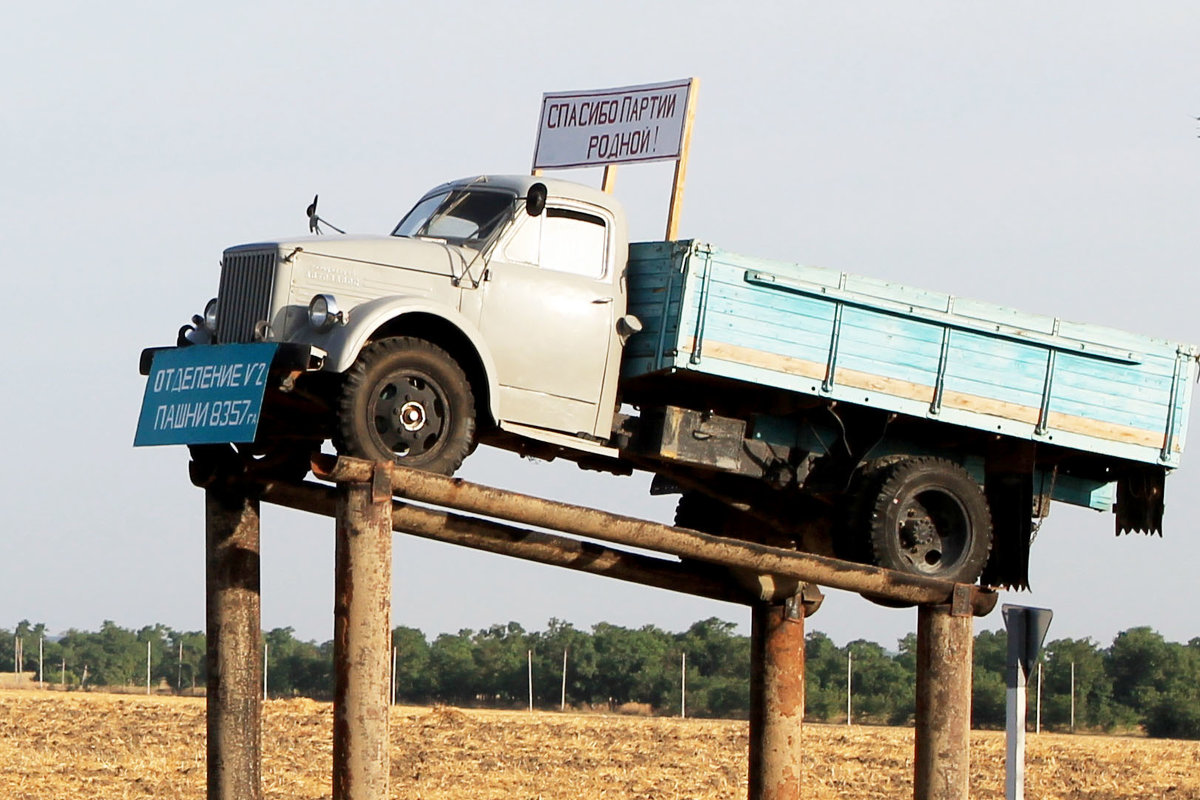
{"x": 204, "y": 394}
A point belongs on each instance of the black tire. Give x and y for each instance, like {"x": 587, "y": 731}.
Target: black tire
{"x": 407, "y": 401}
{"x": 851, "y": 541}
{"x": 929, "y": 517}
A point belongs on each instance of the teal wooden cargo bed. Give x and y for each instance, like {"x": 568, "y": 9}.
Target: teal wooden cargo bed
{"x": 925, "y": 354}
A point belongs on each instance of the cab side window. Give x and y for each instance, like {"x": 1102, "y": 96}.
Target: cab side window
{"x": 573, "y": 241}
{"x": 564, "y": 240}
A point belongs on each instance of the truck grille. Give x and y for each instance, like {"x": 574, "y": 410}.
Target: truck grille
{"x": 245, "y": 295}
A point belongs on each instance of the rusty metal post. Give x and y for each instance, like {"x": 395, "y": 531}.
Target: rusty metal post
{"x": 943, "y": 729}
{"x": 776, "y": 699}
{"x": 362, "y": 638}
{"x": 234, "y": 707}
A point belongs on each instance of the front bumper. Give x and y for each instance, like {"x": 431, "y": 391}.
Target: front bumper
{"x": 291, "y": 358}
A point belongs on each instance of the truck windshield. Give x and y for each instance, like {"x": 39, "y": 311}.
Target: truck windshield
{"x": 457, "y": 216}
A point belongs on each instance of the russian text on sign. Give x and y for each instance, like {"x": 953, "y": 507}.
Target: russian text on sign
{"x": 611, "y": 126}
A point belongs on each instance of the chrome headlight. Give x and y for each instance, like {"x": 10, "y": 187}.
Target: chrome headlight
{"x": 323, "y": 313}
{"x": 210, "y": 316}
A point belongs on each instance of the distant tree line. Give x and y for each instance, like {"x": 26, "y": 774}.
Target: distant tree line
{"x": 1139, "y": 680}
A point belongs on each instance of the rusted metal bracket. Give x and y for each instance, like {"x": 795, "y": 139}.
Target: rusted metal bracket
{"x": 811, "y": 598}
{"x": 962, "y": 602}
{"x": 381, "y": 482}
{"x": 793, "y": 609}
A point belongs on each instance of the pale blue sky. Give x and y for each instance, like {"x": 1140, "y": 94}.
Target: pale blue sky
{"x": 1042, "y": 156}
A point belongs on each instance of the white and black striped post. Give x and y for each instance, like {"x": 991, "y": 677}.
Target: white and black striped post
{"x": 1026, "y": 630}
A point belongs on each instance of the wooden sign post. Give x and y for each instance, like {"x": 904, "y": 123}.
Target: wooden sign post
{"x": 607, "y": 127}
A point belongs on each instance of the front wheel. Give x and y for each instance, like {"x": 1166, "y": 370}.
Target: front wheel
{"x": 407, "y": 400}
{"x": 930, "y": 517}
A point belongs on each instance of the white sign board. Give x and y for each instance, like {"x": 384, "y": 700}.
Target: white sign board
{"x": 612, "y": 126}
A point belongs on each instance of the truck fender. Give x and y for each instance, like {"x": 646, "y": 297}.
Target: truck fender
{"x": 344, "y": 342}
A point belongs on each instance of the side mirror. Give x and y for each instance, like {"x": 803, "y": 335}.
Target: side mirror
{"x": 535, "y": 199}
{"x": 311, "y": 211}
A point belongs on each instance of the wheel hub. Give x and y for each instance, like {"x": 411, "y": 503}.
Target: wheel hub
{"x": 412, "y": 416}
{"x": 409, "y": 413}
{"x": 919, "y": 538}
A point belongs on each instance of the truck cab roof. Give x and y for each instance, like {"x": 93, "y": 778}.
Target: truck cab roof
{"x": 556, "y": 189}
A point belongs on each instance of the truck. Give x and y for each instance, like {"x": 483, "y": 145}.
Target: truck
{"x": 791, "y": 405}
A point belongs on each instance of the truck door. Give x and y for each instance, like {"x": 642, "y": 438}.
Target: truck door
{"x": 548, "y": 314}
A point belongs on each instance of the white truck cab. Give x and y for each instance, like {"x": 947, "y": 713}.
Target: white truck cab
{"x": 495, "y": 299}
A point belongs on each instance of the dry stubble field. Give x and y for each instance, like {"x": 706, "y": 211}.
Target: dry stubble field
{"x": 55, "y": 745}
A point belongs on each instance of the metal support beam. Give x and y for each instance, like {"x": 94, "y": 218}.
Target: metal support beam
{"x": 234, "y": 648}
{"x": 423, "y": 487}
{"x": 944, "y": 649}
{"x": 699, "y": 579}
{"x": 776, "y": 699}
{"x": 362, "y": 637}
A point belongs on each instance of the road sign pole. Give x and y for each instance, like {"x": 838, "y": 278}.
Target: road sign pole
{"x": 1026, "y": 630}
{"x": 1015, "y": 711}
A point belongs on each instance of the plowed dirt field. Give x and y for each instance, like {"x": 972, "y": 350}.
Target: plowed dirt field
{"x": 55, "y": 745}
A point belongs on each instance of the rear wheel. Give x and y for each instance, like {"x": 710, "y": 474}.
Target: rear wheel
{"x": 407, "y": 400}
{"x": 929, "y": 517}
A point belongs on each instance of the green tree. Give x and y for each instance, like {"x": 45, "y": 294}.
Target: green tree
{"x": 501, "y": 666}
{"x": 724, "y": 697}
{"x": 414, "y": 674}
{"x": 296, "y": 667}
{"x": 906, "y": 657}
{"x": 1176, "y": 713}
{"x": 718, "y": 674}
{"x": 631, "y": 666}
{"x": 184, "y": 664}
{"x": 1094, "y": 707}
{"x": 1138, "y": 661}
{"x": 452, "y": 661}
{"x": 110, "y": 656}
{"x": 825, "y": 678}
{"x": 548, "y": 649}
{"x": 988, "y": 692}
{"x": 882, "y": 689}
{"x": 714, "y": 648}
{"x": 158, "y": 637}
{"x": 30, "y": 636}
